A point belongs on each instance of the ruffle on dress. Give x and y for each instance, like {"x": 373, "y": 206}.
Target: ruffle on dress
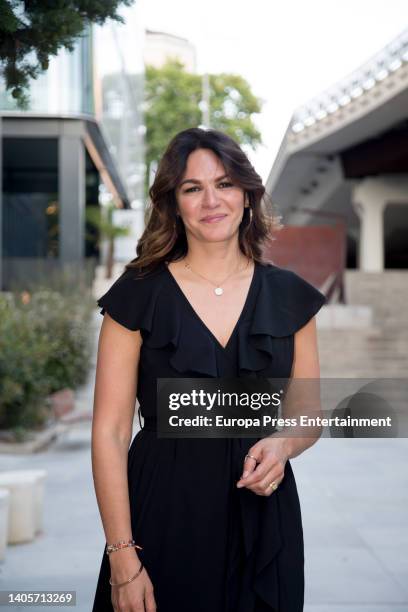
{"x": 131, "y": 301}
{"x": 142, "y": 303}
{"x": 285, "y": 302}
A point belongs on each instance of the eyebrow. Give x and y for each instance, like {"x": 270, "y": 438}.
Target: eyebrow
{"x": 197, "y": 182}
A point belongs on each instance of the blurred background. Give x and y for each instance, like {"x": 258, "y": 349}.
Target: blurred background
{"x": 317, "y": 95}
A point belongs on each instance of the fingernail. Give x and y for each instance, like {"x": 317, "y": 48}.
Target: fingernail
{"x": 245, "y": 474}
{"x": 239, "y": 485}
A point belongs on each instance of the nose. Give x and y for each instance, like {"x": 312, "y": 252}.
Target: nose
{"x": 210, "y": 198}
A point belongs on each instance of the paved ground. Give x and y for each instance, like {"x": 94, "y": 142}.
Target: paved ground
{"x": 354, "y": 497}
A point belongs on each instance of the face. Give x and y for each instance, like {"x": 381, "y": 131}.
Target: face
{"x": 210, "y": 204}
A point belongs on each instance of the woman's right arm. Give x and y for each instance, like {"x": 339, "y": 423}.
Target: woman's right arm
{"x": 113, "y": 413}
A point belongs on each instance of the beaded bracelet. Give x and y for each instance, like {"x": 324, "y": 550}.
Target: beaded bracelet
{"x": 110, "y": 548}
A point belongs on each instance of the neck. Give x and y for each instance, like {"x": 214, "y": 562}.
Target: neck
{"x": 216, "y": 260}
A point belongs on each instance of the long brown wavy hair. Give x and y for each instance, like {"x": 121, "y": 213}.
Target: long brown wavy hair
{"x": 164, "y": 237}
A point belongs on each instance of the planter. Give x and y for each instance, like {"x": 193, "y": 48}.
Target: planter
{"x": 39, "y": 477}
{"x": 61, "y": 402}
{"x": 23, "y": 515}
{"x": 36, "y": 440}
{"x": 4, "y": 521}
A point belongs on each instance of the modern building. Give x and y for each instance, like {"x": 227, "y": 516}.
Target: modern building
{"x": 161, "y": 46}
{"x": 344, "y": 157}
{"x": 74, "y": 147}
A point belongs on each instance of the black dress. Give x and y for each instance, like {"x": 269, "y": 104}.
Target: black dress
{"x": 207, "y": 545}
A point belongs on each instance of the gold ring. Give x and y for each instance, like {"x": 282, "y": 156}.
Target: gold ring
{"x": 273, "y": 485}
{"x": 252, "y": 457}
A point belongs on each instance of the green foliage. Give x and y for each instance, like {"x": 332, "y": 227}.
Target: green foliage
{"x": 63, "y": 323}
{"x": 23, "y": 357}
{"x": 45, "y": 346}
{"x": 31, "y": 32}
{"x": 103, "y": 221}
{"x": 172, "y": 104}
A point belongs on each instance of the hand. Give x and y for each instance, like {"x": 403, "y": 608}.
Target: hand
{"x": 137, "y": 596}
{"x": 271, "y": 454}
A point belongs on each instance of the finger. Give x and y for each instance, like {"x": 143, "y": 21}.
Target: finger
{"x": 260, "y": 472}
{"x": 249, "y": 465}
{"x": 265, "y": 491}
{"x": 270, "y": 489}
{"x": 264, "y": 484}
{"x": 139, "y": 606}
{"x": 252, "y": 460}
{"x": 150, "y": 603}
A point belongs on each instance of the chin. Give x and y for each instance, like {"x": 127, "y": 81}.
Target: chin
{"x": 218, "y": 236}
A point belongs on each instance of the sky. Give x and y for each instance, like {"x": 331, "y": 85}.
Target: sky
{"x": 288, "y": 51}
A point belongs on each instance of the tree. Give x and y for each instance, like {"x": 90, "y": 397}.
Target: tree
{"x": 172, "y": 104}
{"x": 32, "y": 31}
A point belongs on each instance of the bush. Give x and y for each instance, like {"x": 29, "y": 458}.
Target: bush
{"x": 23, "y": 356}
{"x": 45, "y": 346}
{"x": 63, "y": 322}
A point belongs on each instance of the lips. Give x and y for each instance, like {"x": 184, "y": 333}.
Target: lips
{"x": 213, "y": 218}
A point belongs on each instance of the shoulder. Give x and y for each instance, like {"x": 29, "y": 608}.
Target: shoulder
{"x": 131, "y": 297}
{"x": 291, "y": 300}
{"x": 289, "y": 280}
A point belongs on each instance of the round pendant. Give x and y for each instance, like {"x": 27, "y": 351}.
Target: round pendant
{"x": 218, "y": 291}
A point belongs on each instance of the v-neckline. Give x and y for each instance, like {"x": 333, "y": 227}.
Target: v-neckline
{"x": 200, "y": 320}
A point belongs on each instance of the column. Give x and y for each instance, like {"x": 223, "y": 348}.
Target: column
{"x": 369, "y": 199}
{"x": 71, "y": 182}
{"x": 369, "y": 204}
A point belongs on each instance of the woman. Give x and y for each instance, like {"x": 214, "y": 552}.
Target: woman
{"x": 216, "y": 522}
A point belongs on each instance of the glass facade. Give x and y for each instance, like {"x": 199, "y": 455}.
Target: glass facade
{"x": 30, "y": 197}
{"x": 119, "y": 71}
{"x": 66, "y": 88}
{"x": 84, "y": 121}
{"x": 102, "y": 78}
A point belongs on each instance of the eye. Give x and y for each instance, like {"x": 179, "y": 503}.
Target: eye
{"x": 190, "y": 190}
{"x": 227, "y": 183}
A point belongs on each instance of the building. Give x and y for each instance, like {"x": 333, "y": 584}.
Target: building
{"x": 161, "y": 46}
{"x": 344, "y": 156}
{"x": 74, "y": 147}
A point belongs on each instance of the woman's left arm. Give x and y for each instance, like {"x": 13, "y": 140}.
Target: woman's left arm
{"x": 273, "y": 451}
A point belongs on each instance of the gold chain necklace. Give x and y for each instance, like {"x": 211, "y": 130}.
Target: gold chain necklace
{"x": 218, "y": 289}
